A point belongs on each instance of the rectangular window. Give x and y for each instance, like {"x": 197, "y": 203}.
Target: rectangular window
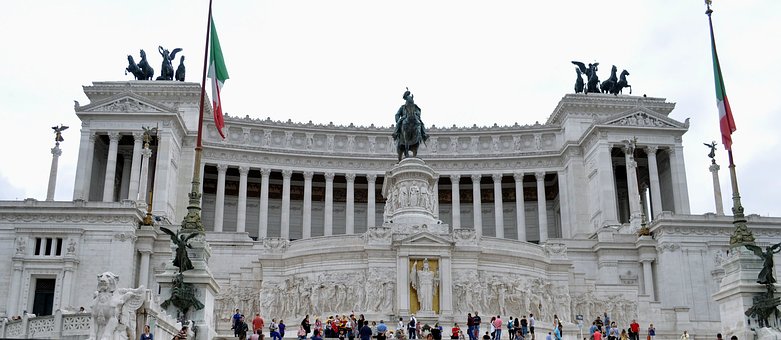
{"x": 48, "y": 246}
{"x": 43, "y": 301}
{"x": 38, "y": 246}
{"x": 59, "y": 247}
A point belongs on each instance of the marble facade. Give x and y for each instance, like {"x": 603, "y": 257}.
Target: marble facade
{"x": 305, "y": 218}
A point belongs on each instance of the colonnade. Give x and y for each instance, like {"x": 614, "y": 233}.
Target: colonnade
{"x": 371, "y": 208}
{"x": 135, "y": 172}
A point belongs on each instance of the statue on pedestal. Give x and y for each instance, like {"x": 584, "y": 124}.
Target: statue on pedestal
{"x": 410, "y": 131}
{"x": 766, "y": 274}
{"x": 425, "y": 282}
{"x": 712, "y": 153}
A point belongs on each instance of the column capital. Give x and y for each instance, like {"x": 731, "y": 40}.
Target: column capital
{"x": 476, "y": 177}
{"x": 308, "y": 175}
{"x": 56, "y": 151}
{"x": 497, "y": 177}
{"x": 138, "y": 136}
{"x": 146, "y": 152}
{"x": 651, "y": 149}
{"x": 455, "y": 178}
{"x": 329, "y": 176}
{"x": 518, "y": 176}
{"x": 243, "y": 170}
{"x": 350, "y": 177}
{"x": 222, "y": 168}
{"x": 371, "y": 178}
{"x": 113, "y": 136}
{"x": 287, "y": 173}
{"x": 713, "y": 167}
{"x": 265, "y": 172}
{"x": 539, "y": 175}
{"x": 92, "y": 137}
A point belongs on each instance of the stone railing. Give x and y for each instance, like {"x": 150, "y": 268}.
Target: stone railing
{"x": 57, "y": 326}
{"x": 77, "y": 325}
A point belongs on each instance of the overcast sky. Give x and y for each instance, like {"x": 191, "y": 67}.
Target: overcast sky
{"x": 467, "y": 62}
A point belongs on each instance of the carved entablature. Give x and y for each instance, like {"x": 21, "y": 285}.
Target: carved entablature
{"x": 314, "y": 139}
{"x": 127, "y": 102}
{"x": 594, "y": 106}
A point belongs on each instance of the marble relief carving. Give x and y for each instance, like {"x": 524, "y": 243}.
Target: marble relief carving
{"x": 330, "y": 292}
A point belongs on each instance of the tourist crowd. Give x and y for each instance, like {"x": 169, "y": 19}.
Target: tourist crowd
{"x": 352, "y": 327}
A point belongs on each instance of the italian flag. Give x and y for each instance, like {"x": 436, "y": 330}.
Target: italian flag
{"x": 218, "y": 74}
{"x": 726, "y": 122}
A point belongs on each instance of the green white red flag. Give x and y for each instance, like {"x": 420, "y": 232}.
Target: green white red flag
{"x": 218, "y": 74}
{"x": 726, "y": 122}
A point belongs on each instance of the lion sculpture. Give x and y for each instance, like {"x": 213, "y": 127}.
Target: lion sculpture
{"x": 114, "y": 309}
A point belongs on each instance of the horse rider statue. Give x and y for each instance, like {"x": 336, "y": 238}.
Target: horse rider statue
{"x": 410, "y": 130}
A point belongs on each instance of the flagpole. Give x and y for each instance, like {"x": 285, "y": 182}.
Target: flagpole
{"x": 741, "y": 235}
{"x": 192, "y": 221}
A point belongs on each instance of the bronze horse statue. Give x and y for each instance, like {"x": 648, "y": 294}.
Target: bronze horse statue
{"x": 410, "y": 131}
{"x": 149, "y": 72}
{"x": 621, "y": 84}
{"x": 608, "y": 85}
{"x": 134, "y": 69}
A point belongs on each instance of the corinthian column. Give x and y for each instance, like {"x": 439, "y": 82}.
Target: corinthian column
{"x": 307, "y": 218}
{"x": 142, "y": 185}
{"x": 241, "y": 210}
{"x": 631, "y": 183}
{"x": 328, "y": 217}
{"x": 476, "y": 205}
{"x": 350, "y": 211}
{"x": 56, "y": 153}
{"x": 135, "y": 169}
{"x": 542, "y": 207}
{"x": 714, "y": 170}
{"x": 285, "y": 223}
{"x": 520, "y": 207}
{"x": 263, "y": 221}
{"x": 498, "y": 213}
{"x": 370, "y": 200}
{"x": 653, "y": 174}
{"x": 455, "y": 199}
{"x": 219, "y": 205}
{"x": 111, "y": 167}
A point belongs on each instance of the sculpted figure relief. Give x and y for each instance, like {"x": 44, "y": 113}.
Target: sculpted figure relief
{"x": 113, "y": 309}
{"x": 425, "y": 282}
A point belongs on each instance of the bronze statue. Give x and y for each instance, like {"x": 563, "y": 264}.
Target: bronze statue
{"x": 712, "y": 152}
{"x": 410, "y": 131}
{"x": 167, "y": 70}
{"x": 134, "y": 69}
{"x": 766, "y": 274}
{"x": 579, "y": 81}
{"x": 591, "y": 75}
{"x": 608, "y": 85}
{"x": 621, "y": 84}
{"x": 183, "y": 296}
{"x": 58, "y": 133}
{"x": 149, "y": 72}
{"x": 180, "y": 70}
{"x": 182, "y": 242}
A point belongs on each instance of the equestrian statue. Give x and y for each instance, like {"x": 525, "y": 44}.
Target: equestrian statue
{"x": 410, "y": 131}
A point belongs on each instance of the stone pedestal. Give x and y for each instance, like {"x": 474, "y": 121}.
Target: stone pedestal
{"x": 409, "y": 189}
{"x": 736, "y": 292}
{"x": 206, "y": 287}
